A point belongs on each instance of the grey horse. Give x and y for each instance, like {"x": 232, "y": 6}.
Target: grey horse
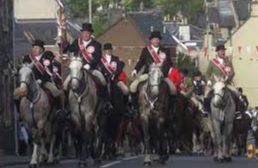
{"x": 83, "y": 103}
{"x": 153, "y": 108}
{"x": 35, "y": 110}
{"x": 222, "y": 115}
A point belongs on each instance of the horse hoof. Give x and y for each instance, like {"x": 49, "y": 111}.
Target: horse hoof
{"x": 162, "y": 161}
{"x": 147, "y": 163}
{"x": 83, "y": 164}
{"x": 221, "y": 160}
{"x": 228, "y": 159}
{"x": 33, "y": 165}
{"x": 97, "y": 161}
{"x": 215, "y": 159}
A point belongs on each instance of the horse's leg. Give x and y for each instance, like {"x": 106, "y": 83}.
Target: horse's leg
{"x": 195, "y": 150}
{"x": 227, "y": 137}
{"x": 218, "y": 140}
{"x": 51, "y": 149}
{"x": 163, "y": 143}
{"x": 146, "y": 137}
{"x": 34, "y": 159}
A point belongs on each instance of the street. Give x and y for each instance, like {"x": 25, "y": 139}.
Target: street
{"x": 174, "y": 161}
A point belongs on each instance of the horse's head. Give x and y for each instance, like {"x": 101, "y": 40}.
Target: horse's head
{"x": 76, "y": 72}
{"x": 26, "y": 77}
{"x": 219, "y": 91}
{"x": 155, "y": 77}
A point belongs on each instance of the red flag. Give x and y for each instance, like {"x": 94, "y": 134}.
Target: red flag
{"x": 239, "y": 49}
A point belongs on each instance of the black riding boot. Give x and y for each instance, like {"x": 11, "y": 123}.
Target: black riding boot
{"x": 134, "y": 101}
{"x": 207, "y": 102}
{"x": 105, "y": 98}
{"x": 59, "y": 108}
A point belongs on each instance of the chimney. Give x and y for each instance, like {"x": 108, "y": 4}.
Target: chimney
{"x": 152, "y": 28}
{"x": 164, "y": 30}
{"x": 141, "y": 6}
{"x": 254, "y": 8}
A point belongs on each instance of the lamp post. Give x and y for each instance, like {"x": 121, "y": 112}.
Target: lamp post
{"x": 90, "y": 11}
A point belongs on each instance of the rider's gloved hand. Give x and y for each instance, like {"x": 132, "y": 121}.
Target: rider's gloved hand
{"x": 134, "y": 73}
{"x": 86, "y": 66}
{"x": 39, "y": 81}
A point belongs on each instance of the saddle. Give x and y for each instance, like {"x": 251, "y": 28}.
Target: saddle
{"x": 134, "y": 86}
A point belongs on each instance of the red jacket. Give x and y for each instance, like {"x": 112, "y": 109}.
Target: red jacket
{"x": 123, "y": 77}
{"x": 175, "y": 76}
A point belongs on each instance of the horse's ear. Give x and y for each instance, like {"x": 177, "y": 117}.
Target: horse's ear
{"x": 216, "y": 78}
{"x": 31, "y": 65}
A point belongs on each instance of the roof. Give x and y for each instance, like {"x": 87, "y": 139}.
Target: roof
{"x": 223, "y": 13}
{"x": 242, "y": 8}
{"x": 151, "y": 21}
{"x": 44, "y": 29}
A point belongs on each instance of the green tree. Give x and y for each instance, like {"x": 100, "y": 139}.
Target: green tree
{"x": 189, "y": 8}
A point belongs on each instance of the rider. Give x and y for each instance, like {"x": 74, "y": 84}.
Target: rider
{"x": 243, "y": 101}
{"x": 43, "y": 68}
{"x": 90, "y": 51}
{"x": 153, "y": 53}
{"x": 220, "y": 67}
{"x": 177, "y": 76}
{"x": 111, "y": 67}
{"x": 197, "y": 89}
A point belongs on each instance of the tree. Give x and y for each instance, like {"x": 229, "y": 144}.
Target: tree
{"x": 189, "y": 8}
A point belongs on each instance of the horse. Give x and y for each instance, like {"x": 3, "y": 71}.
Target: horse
{"x": 83, "y": 101}
{"x": 223, "y": 109}
{"x": 36, "y": 110}
{"x": 182, "y": 125}
{"x": 153, "y": 108}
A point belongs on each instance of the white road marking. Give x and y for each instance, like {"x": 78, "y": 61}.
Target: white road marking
{"x": 130, "y": 158}
{"x": 110, "y": 164}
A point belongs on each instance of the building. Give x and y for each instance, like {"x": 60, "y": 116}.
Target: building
{"x": 6, "y": 79}
{"x": 37, "y": 19}
{"x": 131, "y": 33}
{"x": 242, "y": 45}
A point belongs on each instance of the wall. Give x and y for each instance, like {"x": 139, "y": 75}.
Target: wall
{"x": 246, "y": 61}
{"x": 35, "y": 9}
{"x": 127, "y": 41}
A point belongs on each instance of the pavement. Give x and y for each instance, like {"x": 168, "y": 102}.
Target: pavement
{"x": 8, "y": 160}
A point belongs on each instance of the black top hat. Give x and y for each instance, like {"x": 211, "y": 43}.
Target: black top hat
{"x": 197, "y": 73}
{"x": 108, "y": 46}
{"x": 155, "y": 34}
{"x": 87, "y": 27}
{"x": 184, "y": 71}
{"x": 49, "y": 55}
{"x": 220, "y": 47}
{"x": 39, "y": 43}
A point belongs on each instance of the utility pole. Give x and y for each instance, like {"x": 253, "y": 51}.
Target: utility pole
{"x": 90, "y": 11}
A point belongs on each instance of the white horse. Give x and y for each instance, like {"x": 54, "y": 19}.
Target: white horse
{"x": 222, "y": 115}
{"x": 35, "y": 110}
{"x": 153, "y": 108}
{"x": 83, "y": 103}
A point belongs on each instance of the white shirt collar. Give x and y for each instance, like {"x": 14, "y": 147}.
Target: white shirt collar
{"x": 38, "y": 57}
{"x": 156, "y": 49}
{"x": 86, "y": 43}
{"x": 221, "y": 60}
{"x": 108, "y": 58}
